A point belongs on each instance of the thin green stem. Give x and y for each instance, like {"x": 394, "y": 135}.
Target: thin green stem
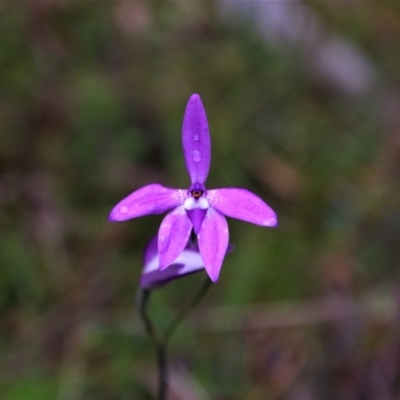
{"x": 185, "y": 311}
{"x": 143, "y": 299}
{"x": 160, "y": 342}
{"x": 162, "y": 371}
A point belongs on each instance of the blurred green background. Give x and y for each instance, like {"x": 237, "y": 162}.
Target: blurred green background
{"x": 303, "y": 103}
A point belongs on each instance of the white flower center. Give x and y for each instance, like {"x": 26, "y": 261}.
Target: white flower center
{"x": 191, "y": 203}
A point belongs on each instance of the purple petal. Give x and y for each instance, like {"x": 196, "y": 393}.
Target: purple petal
{"x": 150, "y": 251}
{"x": 188, "y": 262}
{"x": 196, "y": 140}
{"x": 196, "y": 215}
{"x": 150, "y": 199}
{"x": 242, "y": 204}
{"x": 213, "y": 242}
{"x": 173, "y": 235}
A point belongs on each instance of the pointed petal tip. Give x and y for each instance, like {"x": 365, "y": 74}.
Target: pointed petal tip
{"x": 119, "y": 213}
{"x": 113, "y": 216}
{"x": 271, "y": 222}
{"x": 214, "y": 277}
{"x": 164, "y": 262}
{"x": 195, "y": 107}
{"x": 194, "y": 97}
{"x": 163, "y": 265}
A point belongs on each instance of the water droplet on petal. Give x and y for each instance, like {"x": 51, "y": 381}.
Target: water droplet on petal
{"x": 196, "y": 137}
{"x": 124, "y": 209}
{"x": 196, "y": 156}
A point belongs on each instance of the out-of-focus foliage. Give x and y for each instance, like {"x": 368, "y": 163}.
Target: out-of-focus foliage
{"x": 92, "y": 95}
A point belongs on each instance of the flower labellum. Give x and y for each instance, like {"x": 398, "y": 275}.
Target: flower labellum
{"x": 195, "y": 208}
{"x": 188, "y": 262}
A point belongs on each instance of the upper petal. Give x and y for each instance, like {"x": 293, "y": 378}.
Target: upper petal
{"x": 196, "y": 140}
{"x": 150, "y": 199}
{"x": 242, "y": 204}
{"x": 213, "y": 242}
{"x": 173, "y": 236}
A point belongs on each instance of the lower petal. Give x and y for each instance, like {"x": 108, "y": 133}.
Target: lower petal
{"x": 213, "y": 242}
{"x": 173, "y": 236}
{"x": 196, "y": 215}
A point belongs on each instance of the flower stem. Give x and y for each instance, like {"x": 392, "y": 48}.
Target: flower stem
{"x": 143, "y": 299}
{"x": 185, "y": 311}
{"x": 162, "y": 370}
{"x": 160, "y": 342}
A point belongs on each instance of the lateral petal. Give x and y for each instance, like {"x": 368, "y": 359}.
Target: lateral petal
{"x": 242, "y": 204}
{"x": 173, "y": 236}
{"x": 150, "y": 199}
{"x": 196, "y": 140}
{"x": 213, "y": 242}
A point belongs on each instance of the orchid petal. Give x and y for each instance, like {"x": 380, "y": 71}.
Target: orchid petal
{"x": 196, "y": 215}
{"x": 196, "y": 140}
{"x": 213, "y": 242}
{"x": 242, "y": 204}
{"x": 173, "y": 236}
{"x": 150, "y": 199}
{"x": 188, "y": 262}
{"x": 150, "y": 252}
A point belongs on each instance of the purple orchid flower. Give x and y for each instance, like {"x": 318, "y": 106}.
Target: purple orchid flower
{"x": 188, "y": 262}
{"x": 195, "y": 208}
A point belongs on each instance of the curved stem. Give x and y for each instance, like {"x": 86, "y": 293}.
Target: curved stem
{"x": 162, "y": 370}
{"x": 143, "y": 299}
{"x": 185, "y": 311}
{"x": 160, "y": 342}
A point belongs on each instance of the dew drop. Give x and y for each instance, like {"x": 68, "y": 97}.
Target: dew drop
{"x": 196, "y": 156}
{"x": 124, "y": 209}
{"x": 196, "y": 138}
